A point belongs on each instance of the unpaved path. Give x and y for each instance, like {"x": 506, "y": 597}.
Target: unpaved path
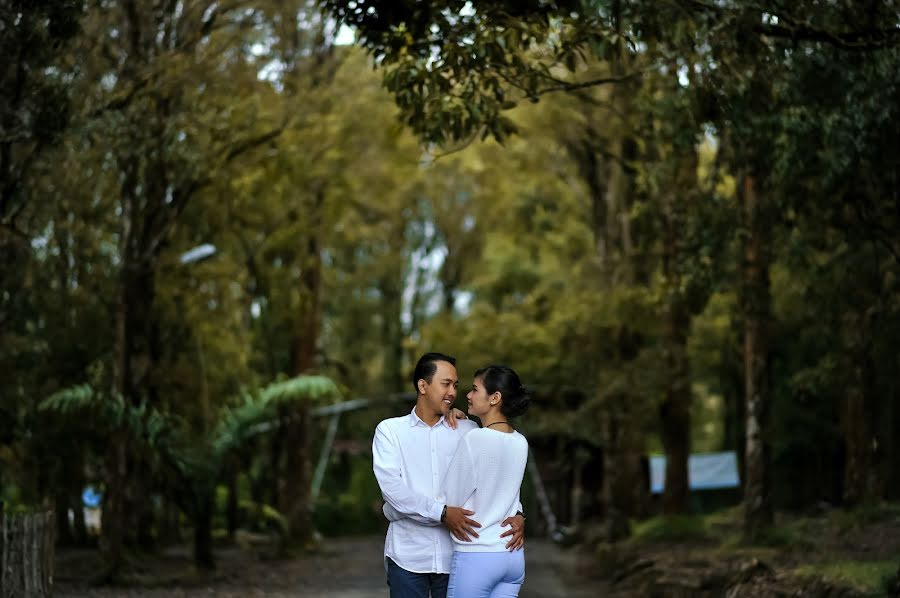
{"x": 344, "y": 568}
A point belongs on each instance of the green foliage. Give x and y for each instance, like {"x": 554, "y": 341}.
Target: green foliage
{"x": 565, "y": 251}
{"x": 238, "y": 425}
{"x": 109, "y": 413}
{"x": 37, "y": 96}
{"x": 870, "y": 577}
{"x": 784, "y": 536}
{"x": 680, "y": 528}
{"x": 865, "y": 514}
{"x": 450, "y": 69}
{"x": 351, "y": 506}
{"x": 454, "y": 68}
{"x": 309, "y": 389}
{"x": 263, "y": 518}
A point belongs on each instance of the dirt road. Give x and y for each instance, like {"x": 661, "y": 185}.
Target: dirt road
{"x": 344, "y": 568}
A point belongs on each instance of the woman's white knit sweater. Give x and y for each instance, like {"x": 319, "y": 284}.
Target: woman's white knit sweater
{"x": 485, "y": 476}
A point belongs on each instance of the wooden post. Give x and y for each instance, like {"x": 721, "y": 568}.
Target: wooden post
{"x": 26, "y": 554}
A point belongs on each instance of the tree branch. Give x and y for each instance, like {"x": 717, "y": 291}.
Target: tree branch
{"x": 788, "y": 27}
{"x": 574, "y": 86}
{"x": 182, "y": 195}
{"x": 872, "y": 39}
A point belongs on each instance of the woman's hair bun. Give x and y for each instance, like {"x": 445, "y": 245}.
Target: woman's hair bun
{"x": 503, "y": 379}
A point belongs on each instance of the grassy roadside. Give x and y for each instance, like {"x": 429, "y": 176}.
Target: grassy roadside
{"x": 849, "y": 553}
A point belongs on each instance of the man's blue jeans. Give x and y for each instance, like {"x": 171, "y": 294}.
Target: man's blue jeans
{"x": 406, "y": 584}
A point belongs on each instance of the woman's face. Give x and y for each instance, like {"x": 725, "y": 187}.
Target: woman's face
{"x": 479, "y": 400}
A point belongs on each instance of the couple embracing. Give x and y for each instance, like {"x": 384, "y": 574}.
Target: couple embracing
{"x": 451, "y": 489}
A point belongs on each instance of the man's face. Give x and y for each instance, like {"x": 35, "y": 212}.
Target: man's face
{"x": 439, "y": 396}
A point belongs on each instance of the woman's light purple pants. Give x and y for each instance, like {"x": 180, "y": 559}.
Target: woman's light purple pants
{"x": 486, "y": 574}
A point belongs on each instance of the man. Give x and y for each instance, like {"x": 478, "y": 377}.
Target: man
{"x": 411, "y": 456}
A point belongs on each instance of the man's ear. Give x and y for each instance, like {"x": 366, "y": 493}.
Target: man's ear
{"x": 421, "y": 383}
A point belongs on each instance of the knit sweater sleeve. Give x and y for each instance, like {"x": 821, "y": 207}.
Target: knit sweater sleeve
{"x": 462, "y": 477}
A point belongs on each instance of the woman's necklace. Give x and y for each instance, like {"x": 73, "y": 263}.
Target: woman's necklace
{"x": 495, "y": 423}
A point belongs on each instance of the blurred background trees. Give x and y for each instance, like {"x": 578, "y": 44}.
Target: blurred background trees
{"x": 679, "y": 222}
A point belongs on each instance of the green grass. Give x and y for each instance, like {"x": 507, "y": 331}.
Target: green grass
{"x": 870, "y": 577}
{"x": 789, "y": 534}
{"x": 729, "y": 517}
{"x": 865, "y": 514}
{"x": 678, "y": 528}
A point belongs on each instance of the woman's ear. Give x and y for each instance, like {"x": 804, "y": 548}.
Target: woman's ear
{"x": 496, "y": 398}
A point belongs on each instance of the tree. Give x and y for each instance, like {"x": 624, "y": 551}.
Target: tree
{"x": 169, "y": 131}
{"x": 455, "y": 69}
{"x": 35, "y": 106}
{"x": 197, "y": 461}
{"x": 35, "y": 109}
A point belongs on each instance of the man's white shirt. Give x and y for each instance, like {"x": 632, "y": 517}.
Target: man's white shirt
{"x": 410, "y": 461}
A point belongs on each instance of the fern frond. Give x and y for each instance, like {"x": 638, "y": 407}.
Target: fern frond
{"x": 301, "y": 388}
{"x": 83, "y": 401}
{"x": 237, "y": 425}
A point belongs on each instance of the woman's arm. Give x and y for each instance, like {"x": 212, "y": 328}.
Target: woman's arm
{"x": 462, "y": 478}
{"x": 459, "y": 484}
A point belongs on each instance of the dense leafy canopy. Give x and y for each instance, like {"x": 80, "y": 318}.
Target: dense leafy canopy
{"x": 684, "y": 176}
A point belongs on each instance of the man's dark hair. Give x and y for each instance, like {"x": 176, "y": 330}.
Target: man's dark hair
{"x": 427, "y": 366}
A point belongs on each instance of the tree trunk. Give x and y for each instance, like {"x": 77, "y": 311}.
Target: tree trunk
{"x": 675, "y": 416}
{"x": 865, "y": 478}
{"x": 276, "y": 448}
{"x": 80, "y": 525}
{"x": 615, "y": 487}
{"x": 296, "y": 496}
{"x": 170, "y": 525}
{"x": 232, "y": 509}
{"x": 893, "y": 449}
{"x": 579, "y": 457}
{"x": 295, "y": 500}
{"x": 203, "y": 518}
{"x": 26, "y": 554}
{"x": 625, "y": 493}
{"x": 306, "y": 336}
{"x": 392, "y": 334}
{"x": 63, "y": 527}
{"x": 756, "y": 303}
{"x": 112, "y": 518}
{"x": 675, "y": 410}
{"x": 132, "y": 319}
{"x": 624, "y": 487}
{"x": 856, "y": 450}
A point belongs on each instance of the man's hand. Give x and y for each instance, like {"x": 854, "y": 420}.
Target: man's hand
{"x": 517, "y": 532}
{"x": 453, "y": 418}
{"x": 457, "y": 521}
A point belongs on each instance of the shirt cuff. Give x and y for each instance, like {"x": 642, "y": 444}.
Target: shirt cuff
{"x": 436, "y": 510}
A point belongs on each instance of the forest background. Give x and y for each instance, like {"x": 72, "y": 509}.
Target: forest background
{"x": 679, "y": 221}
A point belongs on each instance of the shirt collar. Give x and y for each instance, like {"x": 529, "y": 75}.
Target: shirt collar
{"x": 415, "y": 420}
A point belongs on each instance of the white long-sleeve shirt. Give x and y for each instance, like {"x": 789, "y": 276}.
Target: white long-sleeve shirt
{"x": 485, "y": 476}
{"x": 410, "y": 460}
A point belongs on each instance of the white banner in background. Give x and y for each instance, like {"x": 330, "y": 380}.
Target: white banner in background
{"x": 706, "y": 471}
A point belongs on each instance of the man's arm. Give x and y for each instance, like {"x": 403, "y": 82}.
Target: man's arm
{"x": 517, "y": 531}
{"x": 386, "y": 464}
{"x": 393, "y": 514}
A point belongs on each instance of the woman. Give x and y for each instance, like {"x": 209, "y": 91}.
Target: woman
{"x": 485, "y": 476}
